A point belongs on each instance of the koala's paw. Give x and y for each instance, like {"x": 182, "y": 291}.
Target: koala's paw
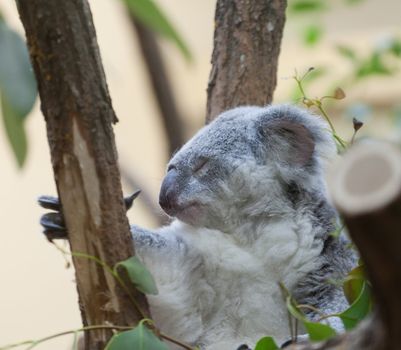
{"x": 53, "y": 223}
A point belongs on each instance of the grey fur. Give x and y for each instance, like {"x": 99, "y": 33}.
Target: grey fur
{"x": 246, "y": 181}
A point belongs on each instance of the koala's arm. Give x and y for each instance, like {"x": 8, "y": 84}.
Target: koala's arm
{"x": 178, "y": 269}
{"x": 148, "y": 243}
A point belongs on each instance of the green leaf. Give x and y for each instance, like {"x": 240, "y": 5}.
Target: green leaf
{"x": 353, "y": 284}
{"x": 358, "y": 310}
{"x": 14, "y": 127}
{"x": 266, "y": 343}
{"x": 337, "y": 232}
{"x": 17, "y": 81}
{"x": 302, "y": 6}
{"x": 319, "y": 331}
{"x": 139, "y": 338}
{"x": 316, "y": 331}
{"x": 150, "y": 14}
{"x": 396, "y": 47}
{"x": 347, "y": 52}
{"x": 139, "y": 275}
{"x": 374, "y": 65}
{"x": 312, "y": 35}
{"x": 353, "y": 2}
{"x": 294, "y": 311}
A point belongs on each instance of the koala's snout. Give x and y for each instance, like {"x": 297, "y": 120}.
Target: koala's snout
{"x": 169, "y": 193}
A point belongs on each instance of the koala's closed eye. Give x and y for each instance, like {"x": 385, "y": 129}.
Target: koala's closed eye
{"x": 200, "y": 164}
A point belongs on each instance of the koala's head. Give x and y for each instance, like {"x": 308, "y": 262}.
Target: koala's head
{"x": 240, "y": 166}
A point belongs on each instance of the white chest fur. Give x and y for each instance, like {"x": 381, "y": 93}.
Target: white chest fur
{"x": 223, "y": 291}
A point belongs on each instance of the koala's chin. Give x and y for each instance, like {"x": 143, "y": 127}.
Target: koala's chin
{"x": 200, "y": 215}
{"x": 192, "y": 214}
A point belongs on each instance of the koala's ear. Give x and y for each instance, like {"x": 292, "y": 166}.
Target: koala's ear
{"x": 291, "y": 142}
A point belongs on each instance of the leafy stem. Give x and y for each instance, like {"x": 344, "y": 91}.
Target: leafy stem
{"x": 339, "y": 94}
{"x": 33, "y": 343}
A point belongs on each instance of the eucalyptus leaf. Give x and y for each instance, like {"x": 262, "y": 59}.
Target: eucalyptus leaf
{"x": 139, "y": 275}
{"x": 374, "y": 65}
{"x": 353, "y": 2}
{"x": 312, "y": 34}
{"x": 396, "y": 47}
{"x": 15, "y": 131}
{"x": 316, "y": 331}
{"x": 302, "y": 6}
{"x": 319, "y": 331}
{"x": 347, "y": 52}
{"x": 358, "y": 310}
{"x": 353, "y": 284}
{"x": 150, "y": 14}
{"x": 294, "y": 311}
{"x": 266, "y": 343}
{"x": 139, "y": 338}
{"x": 17, "y": 81}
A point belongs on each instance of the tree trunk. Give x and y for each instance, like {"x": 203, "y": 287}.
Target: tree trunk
{"x": 247, "y": 42}
{"x": 78, "y": 112}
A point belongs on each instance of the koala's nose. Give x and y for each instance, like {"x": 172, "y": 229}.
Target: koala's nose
{"x": 169, "y": 193}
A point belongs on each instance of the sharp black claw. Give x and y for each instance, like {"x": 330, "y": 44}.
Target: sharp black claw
{"x": 52, "y": 221}
{"x": 130, "y": 199}
{"x": 54, "y": 226}
{"x": 59, "y": 234}
{"x": 49, "y": 202}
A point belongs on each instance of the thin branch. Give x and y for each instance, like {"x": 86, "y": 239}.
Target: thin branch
{"x": 171, "y": 119}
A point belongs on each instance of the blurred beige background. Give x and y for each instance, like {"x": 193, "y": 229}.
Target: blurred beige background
{"x": 37, "y": 292}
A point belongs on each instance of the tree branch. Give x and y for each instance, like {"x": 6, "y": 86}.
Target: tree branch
{"x": 78, "y": 112}
{"x": 156, "y": 67}
{"x": 247, "y": 42}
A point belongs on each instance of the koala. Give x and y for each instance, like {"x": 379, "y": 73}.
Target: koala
{"x": 250, "y": 210}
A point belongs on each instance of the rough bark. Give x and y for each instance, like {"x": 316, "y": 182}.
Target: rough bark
{"x": 78, "y": 112}
{"x": 367, "y": 192}
{"x": 366, "y": 189}
{"x": 247, "y": 42}
{"x": 156, "y": 68}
